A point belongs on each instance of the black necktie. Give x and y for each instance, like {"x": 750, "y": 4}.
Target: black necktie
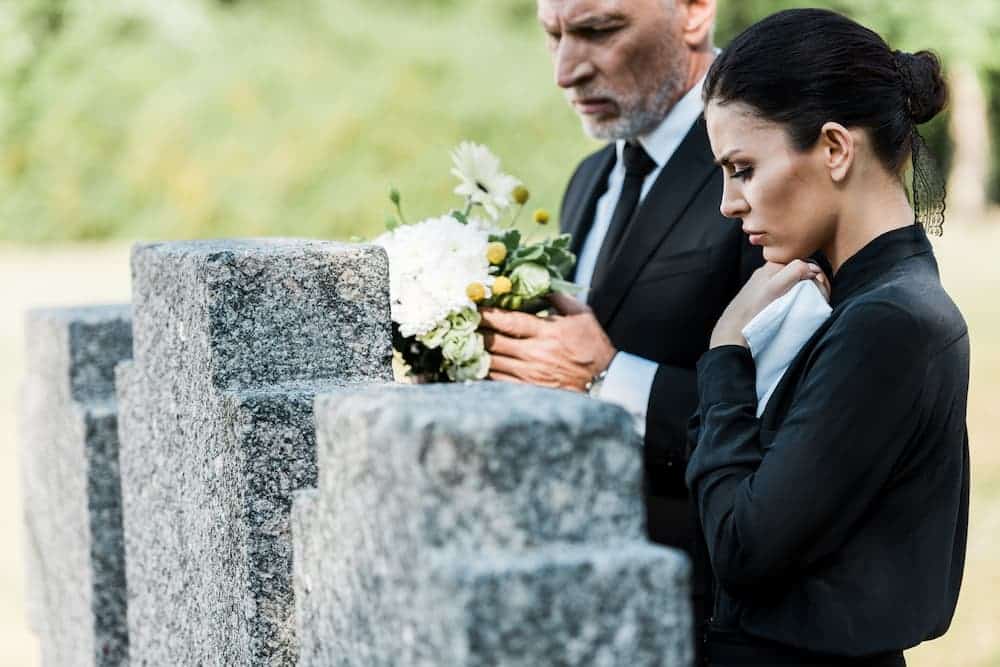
{"x": 638, "y": 165}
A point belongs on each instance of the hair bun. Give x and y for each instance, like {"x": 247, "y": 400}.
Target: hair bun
{"x": 923, "y": 84}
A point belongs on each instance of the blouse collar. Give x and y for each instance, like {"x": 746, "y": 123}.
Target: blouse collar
{"x": 881, "y": 254}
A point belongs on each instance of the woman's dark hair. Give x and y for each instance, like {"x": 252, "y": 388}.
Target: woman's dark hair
{"x": 801, "y": 68}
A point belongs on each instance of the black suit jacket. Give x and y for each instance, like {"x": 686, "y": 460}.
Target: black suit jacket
{"x": 680, "y": 264}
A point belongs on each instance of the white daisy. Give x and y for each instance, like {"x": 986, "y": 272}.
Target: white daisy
{"x": 481, "y": 180}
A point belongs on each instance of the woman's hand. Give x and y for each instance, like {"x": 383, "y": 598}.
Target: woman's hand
{"x": 767, "y": 283}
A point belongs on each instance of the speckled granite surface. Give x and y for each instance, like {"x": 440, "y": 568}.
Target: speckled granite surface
{"x": 70, "y": 484}
{"x": 481, "y": 524}
{"x": 232, "y": 341}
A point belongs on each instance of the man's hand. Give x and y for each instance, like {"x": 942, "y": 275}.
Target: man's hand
{"x": 562, "y": 351}
{"x": 767, "y": 284}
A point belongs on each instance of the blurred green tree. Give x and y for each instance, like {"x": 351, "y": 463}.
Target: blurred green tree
{"x": 965, "y": 35}
{"x": 197, "y": 118}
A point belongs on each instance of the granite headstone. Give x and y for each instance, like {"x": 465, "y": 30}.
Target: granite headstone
{"x": 232, "y": 341}
{"x": 482, "y": 524}
{"x": 70, "y": 484}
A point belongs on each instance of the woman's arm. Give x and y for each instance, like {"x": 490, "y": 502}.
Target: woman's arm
{"x": 772, "y": 503}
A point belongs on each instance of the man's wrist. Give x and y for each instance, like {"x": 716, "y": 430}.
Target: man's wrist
{"x": 593, "y": 388}
{"x": 605, "y": 363}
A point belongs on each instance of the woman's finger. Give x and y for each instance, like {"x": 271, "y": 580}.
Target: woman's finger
{"x": 794, "y": 272}
{"x": 824, "y": 285}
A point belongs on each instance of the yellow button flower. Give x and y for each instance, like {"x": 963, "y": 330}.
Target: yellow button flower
{"x": 476, "y": 292}
{"x": 541, "y": 216}
{"x": 502, "y": 285}
{"x": 521, "y": 195}
{"x": 496, "y": 252}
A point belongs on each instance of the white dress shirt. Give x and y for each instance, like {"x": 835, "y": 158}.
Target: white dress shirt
{"x": 630, "y": 377}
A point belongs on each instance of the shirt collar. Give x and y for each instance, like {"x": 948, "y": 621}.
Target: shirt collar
{"x": 876, "y": 258}
{"x": 661, "y": 143}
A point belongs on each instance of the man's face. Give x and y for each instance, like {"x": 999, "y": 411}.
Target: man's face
{"x": 622, "y": 63}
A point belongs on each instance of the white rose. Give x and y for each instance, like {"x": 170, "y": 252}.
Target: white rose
{"x": 531, "y": 280}
{"x": 477, "y": 369}
{"x": 461, "y": 349}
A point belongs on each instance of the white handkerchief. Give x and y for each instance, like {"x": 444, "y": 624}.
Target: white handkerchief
{"x": 779, "y": 331}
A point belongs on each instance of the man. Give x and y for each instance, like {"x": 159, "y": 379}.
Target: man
{"x": 660, "y": 260}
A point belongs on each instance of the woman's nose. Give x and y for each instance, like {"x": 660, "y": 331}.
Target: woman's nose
{"x": 733, "y": 204}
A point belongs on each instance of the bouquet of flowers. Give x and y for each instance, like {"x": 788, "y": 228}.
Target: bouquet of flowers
{"x": 442, "y": 269}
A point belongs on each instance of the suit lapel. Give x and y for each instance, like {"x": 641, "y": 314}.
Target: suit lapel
{"x": 680, "y": 180}
{"x": 581, "y": 211}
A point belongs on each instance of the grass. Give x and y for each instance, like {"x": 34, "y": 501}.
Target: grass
{"x": 33, "y": 276}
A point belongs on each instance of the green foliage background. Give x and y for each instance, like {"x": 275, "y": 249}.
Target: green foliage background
{"x": 201, "y": 118}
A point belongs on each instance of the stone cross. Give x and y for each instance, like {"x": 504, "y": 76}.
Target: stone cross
{"x": 452, "y": 524}
{"x": 70, "y": 485}
{"x": 232, "y": 341}
{"x": 484, "y": 524}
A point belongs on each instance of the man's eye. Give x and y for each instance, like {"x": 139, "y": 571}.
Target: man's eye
{"x": 596, "y": 33}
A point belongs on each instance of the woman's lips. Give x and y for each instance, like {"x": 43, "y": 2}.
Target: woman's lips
{"x": 595, "y": 106}
{"x": 756, "y": 238}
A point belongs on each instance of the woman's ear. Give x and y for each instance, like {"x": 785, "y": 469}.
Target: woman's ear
{"x": 839, "y": 146}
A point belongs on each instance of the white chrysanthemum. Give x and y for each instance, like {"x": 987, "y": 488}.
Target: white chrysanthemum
{"x": 430, "y": 265}
{"x": 481, "y": 180}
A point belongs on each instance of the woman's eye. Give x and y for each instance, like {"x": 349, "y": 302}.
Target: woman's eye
{"x": 742, "y": 174}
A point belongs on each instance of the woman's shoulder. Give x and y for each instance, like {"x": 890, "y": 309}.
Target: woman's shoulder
{"x": 908, "y": 307}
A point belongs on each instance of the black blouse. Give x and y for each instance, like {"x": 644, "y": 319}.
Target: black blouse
{"x": 836, "y": 522}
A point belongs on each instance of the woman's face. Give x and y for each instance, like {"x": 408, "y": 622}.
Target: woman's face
{"x": 785, "y": 197}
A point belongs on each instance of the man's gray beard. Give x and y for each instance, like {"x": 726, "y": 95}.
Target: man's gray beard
{"x": 639, "y": 122}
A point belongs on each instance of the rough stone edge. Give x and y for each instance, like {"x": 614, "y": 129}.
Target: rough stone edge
{"x": 85, "y": 385}
{"x": 503, "y": 588}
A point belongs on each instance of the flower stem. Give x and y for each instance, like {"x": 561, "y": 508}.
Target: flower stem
{"x": 399, "y": 209}
{"x": 517, "y": 214}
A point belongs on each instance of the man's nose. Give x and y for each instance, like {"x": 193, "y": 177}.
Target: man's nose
{"x": 572, "y": 64}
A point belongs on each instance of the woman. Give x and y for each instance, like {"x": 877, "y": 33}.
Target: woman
{"x": 836, "y": 522}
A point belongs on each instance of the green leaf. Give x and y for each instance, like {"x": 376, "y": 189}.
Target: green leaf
{"x": 567, "y": 287}
{"x": 461, "y": 217}
{"x": 531, "y": 253}
{"x": 560, "y": 262}
{"x": 391, "y": 223}
{"x": 511, "y": 239}
{"x": 563, "y": 241}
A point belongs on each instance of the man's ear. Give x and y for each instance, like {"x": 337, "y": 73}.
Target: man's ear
{"x": 699, "y": 22}
{"x": 839, "y": 146}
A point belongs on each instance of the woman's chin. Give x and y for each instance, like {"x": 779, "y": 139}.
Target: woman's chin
{"x": 777, "y": 255}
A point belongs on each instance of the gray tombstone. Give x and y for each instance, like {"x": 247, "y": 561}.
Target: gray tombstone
{"x": 232, "y": 341}
{"x": 482, "y": 524}
{"x": 70, "y": 483}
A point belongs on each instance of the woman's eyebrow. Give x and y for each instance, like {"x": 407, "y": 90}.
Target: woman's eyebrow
{"x": 725, "y": 159}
